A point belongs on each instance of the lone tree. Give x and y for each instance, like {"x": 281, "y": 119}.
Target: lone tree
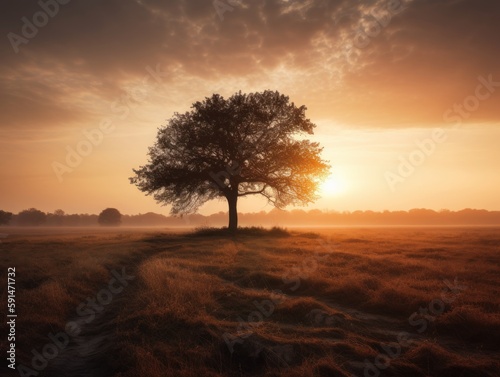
{"x": 110, "y": 217}
{"x": 230, "y": 148}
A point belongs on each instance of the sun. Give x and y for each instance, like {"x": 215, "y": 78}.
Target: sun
{"x": 333, "y": 186}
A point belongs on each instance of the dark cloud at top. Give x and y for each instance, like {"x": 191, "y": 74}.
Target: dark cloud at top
{"x": 429, "y": 58}
{"x": 425, "y": 59}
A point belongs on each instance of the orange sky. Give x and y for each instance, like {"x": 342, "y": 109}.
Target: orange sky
{"x": 425, "y": 74}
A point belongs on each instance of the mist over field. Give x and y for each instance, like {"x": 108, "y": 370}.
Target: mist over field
{"x": 296, "y": 218}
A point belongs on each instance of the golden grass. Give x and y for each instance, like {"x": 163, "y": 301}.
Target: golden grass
{"x": 343, "y": 293}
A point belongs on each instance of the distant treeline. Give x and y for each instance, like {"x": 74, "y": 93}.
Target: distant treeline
{"x": 34, "y": 217}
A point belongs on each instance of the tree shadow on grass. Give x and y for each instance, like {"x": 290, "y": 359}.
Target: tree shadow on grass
{"x": 241, "y": 231}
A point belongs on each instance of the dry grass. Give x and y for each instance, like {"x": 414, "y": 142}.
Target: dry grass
{"x": 320, "y": 303}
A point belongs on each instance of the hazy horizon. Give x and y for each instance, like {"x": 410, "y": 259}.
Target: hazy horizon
{"x": 417, "y": 217}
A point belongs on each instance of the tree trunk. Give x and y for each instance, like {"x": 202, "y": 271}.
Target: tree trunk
{"x": 233, "y": 213}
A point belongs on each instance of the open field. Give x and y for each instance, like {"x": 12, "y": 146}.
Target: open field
{"x": 318, "y": 302}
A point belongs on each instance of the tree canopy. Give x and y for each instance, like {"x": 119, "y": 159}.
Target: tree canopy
{"x": 230, "y": 148}
{"x": 5, "y": 217}
{"x": 31, "y": 217}
{"x": 110, "y": 216}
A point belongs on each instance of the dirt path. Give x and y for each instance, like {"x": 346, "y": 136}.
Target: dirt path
{"x": 87, "y": 355}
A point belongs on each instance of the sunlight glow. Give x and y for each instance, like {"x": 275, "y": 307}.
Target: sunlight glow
{"x": 333, "y": 186}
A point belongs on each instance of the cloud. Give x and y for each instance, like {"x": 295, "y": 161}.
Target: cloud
{"x": 425, "y": 59}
